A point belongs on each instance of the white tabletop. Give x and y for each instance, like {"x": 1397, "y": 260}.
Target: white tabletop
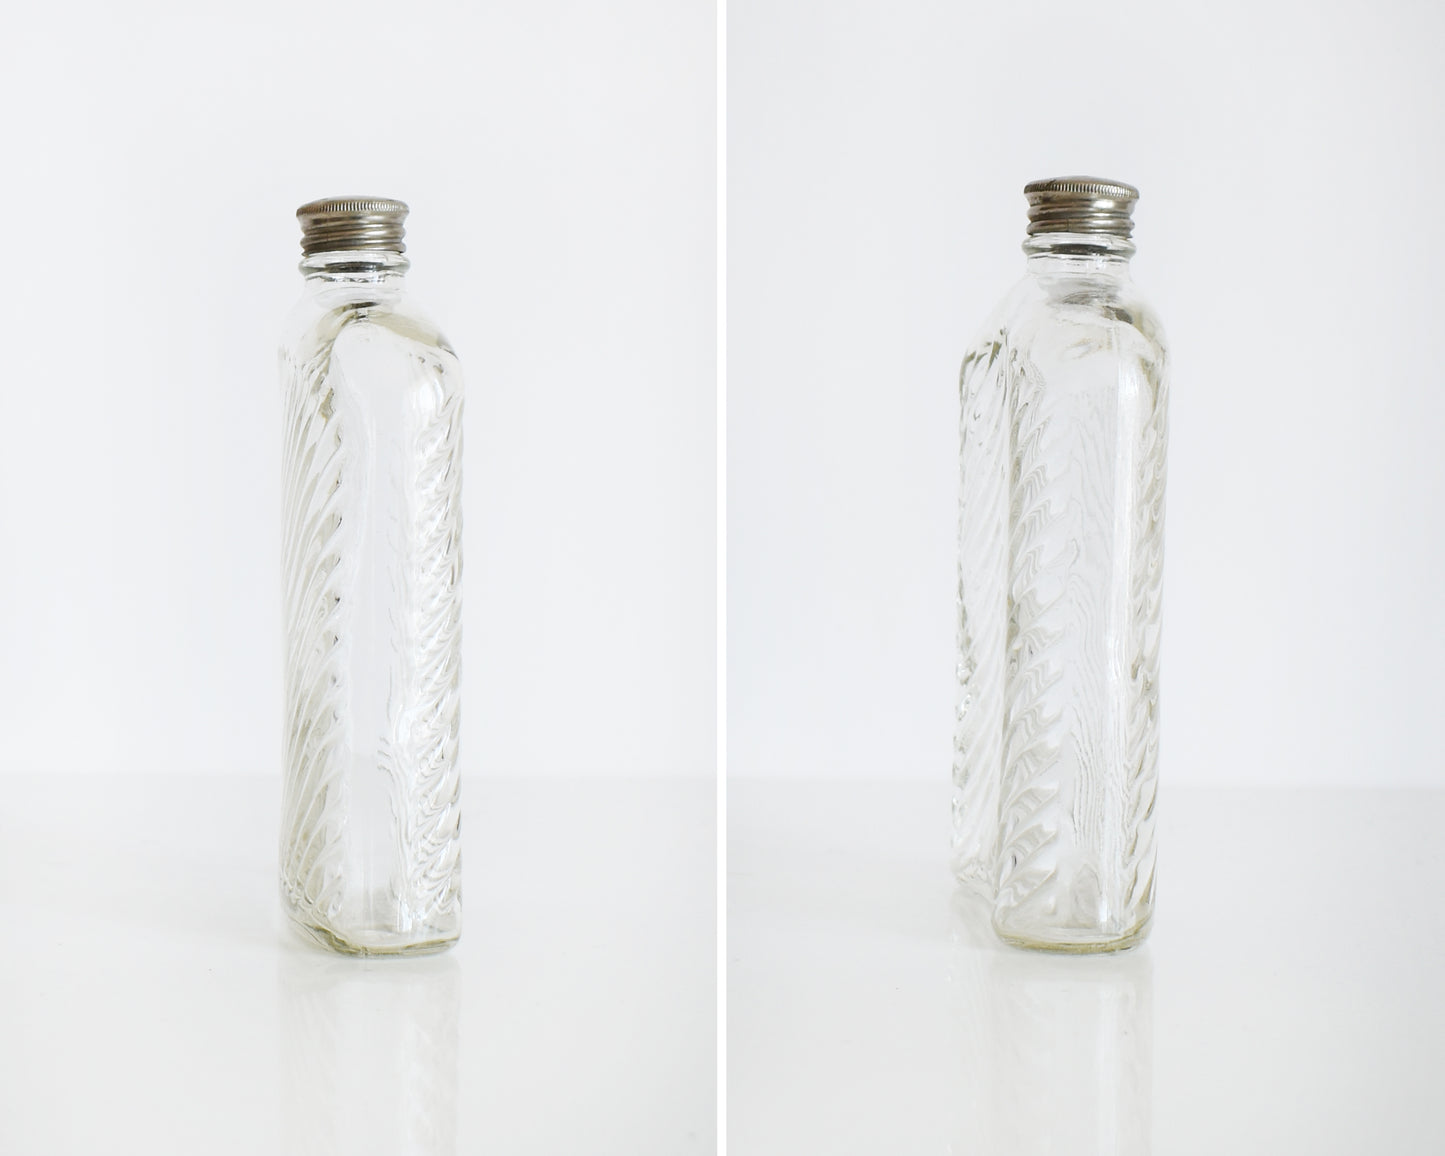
{"x": 150, "y": 1000}
{"x": 1290, "y": 1000}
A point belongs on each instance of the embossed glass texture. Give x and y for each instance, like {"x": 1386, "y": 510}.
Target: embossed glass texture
{"x": 371, "y": 557}
{"x": 1063, "y": 437}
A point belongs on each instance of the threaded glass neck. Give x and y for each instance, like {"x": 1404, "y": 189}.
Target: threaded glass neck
{"x": 1079, "y": 250}
{"x": 354, "y": 265}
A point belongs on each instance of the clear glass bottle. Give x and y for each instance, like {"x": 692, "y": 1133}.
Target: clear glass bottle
{"x": 1061, "y": 519}
{"x": 371, "y": 585}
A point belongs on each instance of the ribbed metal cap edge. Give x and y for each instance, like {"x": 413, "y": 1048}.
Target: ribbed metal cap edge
{"x": 342, "y": 224}
{"x": 1081, "y": 205}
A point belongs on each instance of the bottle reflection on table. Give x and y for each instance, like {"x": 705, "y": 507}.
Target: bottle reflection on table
{"x": 369, "y": 1054}
{"x": 1057, "y": 1050}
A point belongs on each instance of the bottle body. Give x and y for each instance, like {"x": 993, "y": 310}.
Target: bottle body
{"x": 1064, "y": 431}
{"x": 371, "y": 557}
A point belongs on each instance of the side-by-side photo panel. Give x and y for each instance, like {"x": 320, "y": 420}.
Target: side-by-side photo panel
{"x": 1081, "y": 481}
{"x": 358, "y": 614}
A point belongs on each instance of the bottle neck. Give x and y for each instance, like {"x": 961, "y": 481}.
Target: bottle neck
{"x": 1076, "y": 254}
{"x": 380, "y": 267}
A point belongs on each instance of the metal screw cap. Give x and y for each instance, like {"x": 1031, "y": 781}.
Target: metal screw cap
{"x": 341, "y": 224}
{"x": 1081, "y": 205}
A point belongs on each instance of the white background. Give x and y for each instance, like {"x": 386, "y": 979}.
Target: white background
{"x": 1290, "y": 164}
{"x": 559, "y": 160}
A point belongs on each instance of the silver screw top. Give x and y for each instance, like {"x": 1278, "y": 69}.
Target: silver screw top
{"x": 1081, "y": 205}
{"x": 341, "y": 224}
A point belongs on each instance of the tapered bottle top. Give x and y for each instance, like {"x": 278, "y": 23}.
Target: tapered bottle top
{"x": 341, "y": 224}
{"x": 1081, "y": 205}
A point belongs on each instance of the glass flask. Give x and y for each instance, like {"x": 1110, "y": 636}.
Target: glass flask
{"x": 371, "y": 595}
{"x": 1061, "y": 519}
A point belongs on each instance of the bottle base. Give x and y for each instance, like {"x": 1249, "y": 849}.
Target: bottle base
{"x": 1077, "y": 943}
{"x": 375, "y": 941}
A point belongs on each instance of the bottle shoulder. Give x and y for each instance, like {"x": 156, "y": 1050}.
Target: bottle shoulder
{"x": 374, "y": 357}
{"x": 322, "y": 319}
{"x": 1086, "y": 313}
